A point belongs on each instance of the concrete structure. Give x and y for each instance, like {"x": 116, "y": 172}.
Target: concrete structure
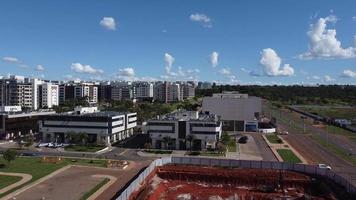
{"x": 101, "y": 127}
{"x": 49, "y": 95}
{"x": 167, "y": 92}
{"x": 144, "y": 90}
{"x": 16, "y": 91}
{"x": 238, "y": 112}
{"x": 14, "y": 122}
{"x": 184, "y": 128}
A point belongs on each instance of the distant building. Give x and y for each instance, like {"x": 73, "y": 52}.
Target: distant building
{"x": 187, "y": 90}
{"x": 49, "y": 95}
{"x": 238, "y": 112}
{"x": 204, "y": 85}
{"x": 204, "y": 130}
{"x": 101, "y": 127}
{"x": 167, "y": 92}
{"x": 144, "y": 90}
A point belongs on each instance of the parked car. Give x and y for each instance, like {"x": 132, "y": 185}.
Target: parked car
{"x": 51, "y": 145}
{"x": 284, "y": 133}
{"x": 42, "y": 145}
{"x": 323, "y": 166}
{"x": 243, "y": 140}
{"x": 29, "y": 154}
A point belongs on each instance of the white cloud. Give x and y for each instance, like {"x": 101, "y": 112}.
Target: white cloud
{"x": 328, "y": 78}
{"x": 347, "y": 73}
{"x": 214, "y": 59}
{"x": 169, "y": 60}
{"x": 271, "y": 63}
{"x": 323, "y": 42}
{"x": 85, "y": 69}
{"x": 354, "y": 18}
{"x": 316, "y": 77}
{"x": 23, "y": 66}
{"x": 127, "y": 72}
{"x": 39, "y": 68}
{"x": 225, "y": 71}
{"x": 10, "y": 59}
{"x": 201, "y": 18}
{"x": 70, "y": 77}
{"x": 108, "y": 23}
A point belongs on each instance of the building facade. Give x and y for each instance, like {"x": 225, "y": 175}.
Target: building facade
{"x": 239, "y": 112}
{"x": 185, "y": 130}
{"x": 101, "y": 127}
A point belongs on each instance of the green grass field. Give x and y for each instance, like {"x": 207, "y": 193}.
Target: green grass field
{"x": 8, "y": 180}
{"x": 288, "y": 156}
{"x": 332, "y": 112}
{"x": 37, "y": 169}
{"x": 96, "y": 188}
{"x": 273, "y": 138}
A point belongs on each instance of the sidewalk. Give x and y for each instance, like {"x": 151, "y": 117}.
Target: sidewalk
{"x": 25, "y": 179}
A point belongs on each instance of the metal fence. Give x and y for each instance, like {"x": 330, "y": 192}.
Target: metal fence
{"x": 251, "y": 164}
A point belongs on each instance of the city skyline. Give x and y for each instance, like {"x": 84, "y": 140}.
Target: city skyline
{"x": 281, "y": 42}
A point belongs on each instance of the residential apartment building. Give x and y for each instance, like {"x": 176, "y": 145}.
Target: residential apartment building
{"x": 101, "y": 127}
{"x": 49, "y": 95}
{"x": 167, "y": 92}
{"x": 144, "y": 90}
{"x": 185, "y": 130}
{"x": 16, "y": 91}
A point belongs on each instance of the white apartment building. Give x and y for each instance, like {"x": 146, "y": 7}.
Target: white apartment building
{"x": 204, "y": 130}
{"x": 88, "y": 90}
{"x": 167, "y": 92}
{"x": 144, "y": 90}
{"x": 50, "y": 95}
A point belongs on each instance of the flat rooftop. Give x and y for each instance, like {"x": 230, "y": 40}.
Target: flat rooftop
{"x": 187, "y": 116}
{"x": 94, "y": 114}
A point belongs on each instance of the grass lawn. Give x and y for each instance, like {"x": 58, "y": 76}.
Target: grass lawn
{"x": 158, "y": 151}
{"x": 288, "y": 156}
{"x": 83, "y": 148}
{"x": 96, "y": 188}
{"x": 8, "y": 180}
{"x": 205, "y": 153}
{"x": 37, "y": 169}
{"x": 273, "y": 138}
{"x": 231, "y": 146}
{"x": 332, "y": 112}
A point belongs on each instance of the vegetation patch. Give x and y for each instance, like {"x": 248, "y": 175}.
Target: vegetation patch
{"x": 288, "y": 156}
{"x": 158, "y": 151}
{"x": 84, "y": 148}
{"x": 206, "y": 153}
{"x": 93, "y": 190}
{"x": 8, "y": 180}
{"x": 273, "y": 138}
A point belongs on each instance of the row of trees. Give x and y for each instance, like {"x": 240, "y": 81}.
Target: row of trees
{"x": 294, "y": 94}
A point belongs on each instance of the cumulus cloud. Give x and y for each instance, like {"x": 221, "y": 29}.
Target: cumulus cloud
{"x": 127, "y": 72}
{"x": 328, "y": 78}
{"x": 271, "y": 63}
{"x": 347, "y": 73}
{"x": 70, "y": 77}
{"x": 323, "y": 42}
{"x": 225, "y": 71}
{"x": 354, "y": 18}
{"x": 108, "y": 23}
{"x": 316, "y": 77}
{"x": 202, "y": 19}
{"x": 85, "y": 69}
{"x": 10, "y": 59}
{"x": 214, "y": 59}
{"x": 168, "y": 60}
{"x": 39, "y": 68}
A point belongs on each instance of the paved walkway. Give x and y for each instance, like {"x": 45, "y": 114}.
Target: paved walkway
{"x": 104, "y": 187}
{"x": 25, "y": 179}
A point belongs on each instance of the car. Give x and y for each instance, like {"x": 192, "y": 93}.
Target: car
{"x": 50, "y": 145}
{"x": 243, "y": 140}
{"x": 42, "y": 145}
{"x": 324, "y": 166}
{"x": 284, "y": 133}
{"x": 29, "y": 154}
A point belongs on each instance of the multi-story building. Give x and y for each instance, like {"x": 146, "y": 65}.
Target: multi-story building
{"x": 70, "y": 91}
{"x": 204, "y": 85}
{"x": 144, "y": 90}
{"x": 16, "y": 91}
{"x": 239, "y": 112}
{"x": 50, "y": 95}
{"x": 101, "y": 127}
{"x": 187, "y": 90}
{"x": 167, "y": 92}
{"x": 185, "y": 130}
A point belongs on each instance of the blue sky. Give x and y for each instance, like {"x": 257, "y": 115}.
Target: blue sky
{"x": 247, "y": 42}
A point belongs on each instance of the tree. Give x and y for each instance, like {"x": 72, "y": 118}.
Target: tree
{"x": 9, "y": 155}
{"x": 190, "y": 138}
{"x": 225, "y": 138}
{"x": 148, "y": 145}
{"x": 166, "y": 140}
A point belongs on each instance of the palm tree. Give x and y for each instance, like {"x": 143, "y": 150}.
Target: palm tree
{"x": 190, "y": 138}
{"x": 166, "y": 140}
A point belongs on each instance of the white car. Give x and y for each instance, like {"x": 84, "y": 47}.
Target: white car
{"x": 42, "y": 145}
{"x": 323, "y": 166}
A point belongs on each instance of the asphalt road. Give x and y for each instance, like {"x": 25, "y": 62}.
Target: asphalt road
{"x": 265, "y": 151}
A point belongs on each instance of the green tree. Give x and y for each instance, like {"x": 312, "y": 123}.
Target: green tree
{"x": 166, "y": 141}
{"x": 9, "y": 155}
{"x": 190, "y": 138}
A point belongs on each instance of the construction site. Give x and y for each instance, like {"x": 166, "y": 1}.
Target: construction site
{"x": 188, "y": 182}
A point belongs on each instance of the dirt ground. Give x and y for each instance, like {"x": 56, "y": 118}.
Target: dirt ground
{"x": 72, "y": 183}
